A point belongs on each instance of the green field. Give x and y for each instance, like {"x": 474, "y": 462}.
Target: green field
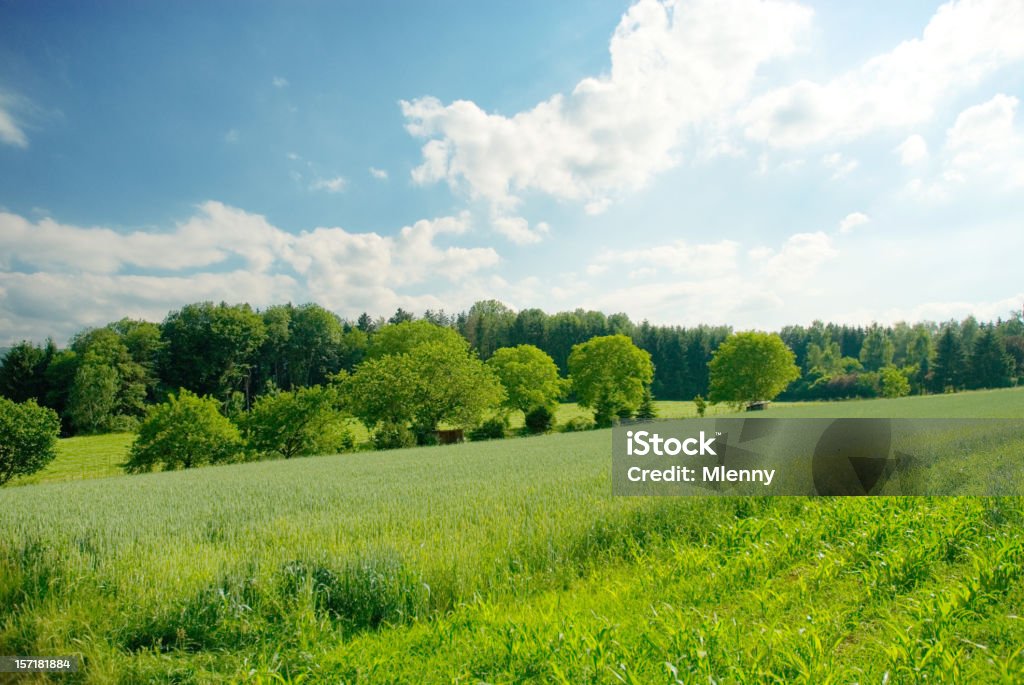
{"x": 509, "y": 561}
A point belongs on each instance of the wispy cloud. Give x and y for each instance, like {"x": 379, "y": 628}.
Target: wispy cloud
{"x": 379, "y": 174}
{"x": 280, "y": 82}
{"x": 11, "y": 131}
{"x": 330, "y": 185}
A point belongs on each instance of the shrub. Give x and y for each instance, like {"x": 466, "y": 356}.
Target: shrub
{"x": 28, "y": 438}
{"x": 492, "y": 429}
{"x": 540, "y": 419}
{"x": 578, "y": 423}
{"x": 701, "y": 404}
{"x": 391, "y": 436}
{"x": 183, "y": 432}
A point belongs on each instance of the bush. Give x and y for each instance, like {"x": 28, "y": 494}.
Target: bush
{"x": 297, "y": 423}
{"x": 392, "y": 436}
{"x": 491, "y": 429}
{"x": 540, "y": 420}
{"x": 28, "y": 438}
{"x": 578, "y": 423}
{"x": 183, "y": 432}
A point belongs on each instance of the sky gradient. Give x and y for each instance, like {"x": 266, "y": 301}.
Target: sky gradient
{"x": 738, "y": 162}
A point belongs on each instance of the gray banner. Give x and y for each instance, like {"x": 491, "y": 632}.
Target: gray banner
{"x": 765, "y": 456}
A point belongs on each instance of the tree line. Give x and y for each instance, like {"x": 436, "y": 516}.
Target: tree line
{"x": 105, "y": 378}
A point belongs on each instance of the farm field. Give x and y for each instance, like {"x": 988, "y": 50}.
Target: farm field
{"x": 509, "y": 561}
{"x": 100, "y": 456}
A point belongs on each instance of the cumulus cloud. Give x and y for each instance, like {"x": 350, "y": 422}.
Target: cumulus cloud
{"x": 985, "y": 142}
{"x": 852, "y": 221}
{"x": 56, "y": 278}
{"x": 675, "y": 67}
{"x": 912, "y": 150}
{"x": 379, "y": 174}
{"x": 330, "y": 185}
{"x": 964, "y": 42}
{"x": 518, "y": 230}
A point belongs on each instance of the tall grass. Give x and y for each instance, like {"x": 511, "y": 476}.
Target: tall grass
{"x": 500, "y": 562}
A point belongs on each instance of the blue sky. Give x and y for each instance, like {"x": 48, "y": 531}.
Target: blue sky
{"x": 740, "y": 162}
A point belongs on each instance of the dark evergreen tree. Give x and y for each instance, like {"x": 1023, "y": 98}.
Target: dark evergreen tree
{"x": 990, "y": 365}
{"x": 948, "y": 367}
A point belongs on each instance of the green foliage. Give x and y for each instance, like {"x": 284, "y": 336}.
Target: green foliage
{"x": 877, "y": 351}
{"x": 894, "y": 382}
{"x": 211, "y": 349}
{"x": 749, "y": 367}
{"x": 302, "y": 422}
{"x": 402, "y": 338}
{"x": 539, "y": 420}
{"x": 990, "y": 365}
{"x": 436, "y": 381}
{"x": 494, "y": 428}
{"x": 609, "y": 375}
{"x": 577, "y": 424}
{"x": 647, "y": 410}
{"x": 23, "y": 369}
{"x": 388, "y": 435}
{"x": 28, "y": 438}
{"x": 529, "y": 376}
{"x": 700, "y": 404}
{"x": 183, "y": 432}
{"x": 949, "y": 366}
{"x": 93, "y": 396}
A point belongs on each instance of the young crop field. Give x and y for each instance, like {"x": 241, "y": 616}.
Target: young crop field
{"x": 510, "y": 561}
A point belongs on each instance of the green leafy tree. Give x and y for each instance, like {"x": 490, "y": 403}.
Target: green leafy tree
{"x": 877, "y": 351}
{"x": 403, "y": 337}
{"x": 949, "y": 366}
{"x": 436, "y": 381}
{"x": 28, "y": 438}
{"x": 529, "y": 376}
{"x": 211, "y": 349}
{"x": 748, "y": 367}
{"x": 183, "y": 432}
{"x": 488, "y": 326}
{"x": 990, "y": 365}
{"x": 894, "y": 382}
{"x": 304, "y": 421}
{"x": 93, "y": 396}
{"x": 609, "y": 375}
{"x": 23, "y": 371}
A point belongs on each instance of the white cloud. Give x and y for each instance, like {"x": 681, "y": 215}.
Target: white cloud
{"x": 711, "y": 282}
{"x": 11, "y": 132}
{"x": 75, "y": 277}
{"x": 912, "y": 150}
{"x": 963, "y": 43}
{"x": 838, "y": 164}
{"x": 331, "y": 185}
{"x": 231, "y": 136}
{"x": 985, "y": 142}
{"x": 852, "y": 221}
{"x": 517, "y": 229}
{"x": 676, "y": 66}
{"x": 280, "y": 82}
{"x": 379, "y": 174}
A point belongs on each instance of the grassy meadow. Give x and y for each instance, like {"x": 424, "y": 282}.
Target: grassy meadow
{"x": 506, "y": 562}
